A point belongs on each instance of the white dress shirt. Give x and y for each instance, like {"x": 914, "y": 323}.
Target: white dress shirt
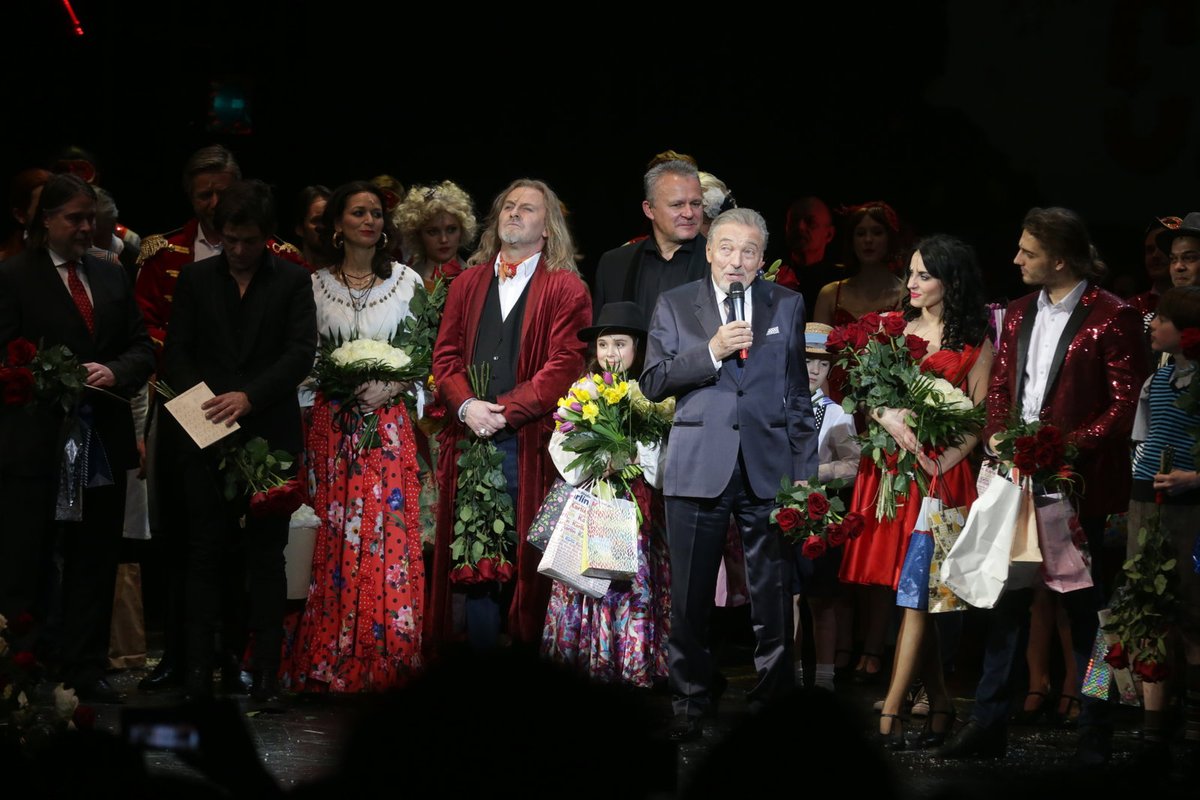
{"x": 511, "y": 288}
{"x": 60, "y": 264}
{"x": 1047, "y": 330}
{"x": 202, "y": 248}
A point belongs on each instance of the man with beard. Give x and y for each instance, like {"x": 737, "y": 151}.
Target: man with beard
{"x": 518, "y": 312}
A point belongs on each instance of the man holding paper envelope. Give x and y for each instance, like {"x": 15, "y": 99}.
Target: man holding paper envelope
{"x": 244, "y": 323}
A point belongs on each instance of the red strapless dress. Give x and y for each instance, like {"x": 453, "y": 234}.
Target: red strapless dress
{"x": 876, "y": 556}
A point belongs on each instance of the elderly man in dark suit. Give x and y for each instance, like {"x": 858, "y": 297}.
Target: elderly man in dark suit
{"x": 672, "y": 255}
{"x": 244, "y": 322}
{"x": 743, "y": 420}
{"x": 55, "y": 294}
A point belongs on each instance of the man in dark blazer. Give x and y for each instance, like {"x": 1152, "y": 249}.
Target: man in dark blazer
{"x": 55, "y": 294}
{"x": 674, "y": 252}
{"x": 741, "y": 424}
{"x": 243, "y": 322}
{"x": 1070, "y": 355}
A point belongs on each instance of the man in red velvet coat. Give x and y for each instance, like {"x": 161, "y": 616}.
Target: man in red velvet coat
{"x": 1070, "y": 355}
{"x": 518, "y": 310}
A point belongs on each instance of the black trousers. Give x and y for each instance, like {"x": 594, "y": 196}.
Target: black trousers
{"x": 696, "y": 532}
{"x": 88, "y": 549}
{"x": 214, "y": 532}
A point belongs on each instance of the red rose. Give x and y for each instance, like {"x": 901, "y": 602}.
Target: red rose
{"x": 836, "y": 341}
{"x": 1116, "y": 657}
{"x": 486, "y": 568}
{"x": 853, "y": 523}
{"x": 837, "y": 534}
{"x": 1151, "y": 671}
{"x": 18, "y": 385}
{"x": 25, "y": 660}
{"x": 21, "y": 352}
{"x": 814, "y": 547}
{"x": 506, "y": 572}
{"x": 278, "y": 501}
{"x": 893, "y": 324}
{"x": 84, "y": 718}
{"x": 881, "y": 337}
{"x": 1049, "y": 435}
{"x": 917, "y": 347}
{"x": 1189, "y": 343}
{"x": 22, "y": 624}
{"x": 818, "y": 505}
{"x": 870, "y": 321}
{"x": 857, "y": 337}
{"x": 1047, "y": 456}
{"x": 787, "y": 519}
{"x": 464, "y": 574}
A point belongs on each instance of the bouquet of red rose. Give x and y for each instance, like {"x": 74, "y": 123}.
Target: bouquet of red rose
{"x": 1145, "y": 605}
{"x": 49, "y": 375}
{"x": 883, "y": 370}
{"x": 1041, "y": 453}
{"x": 256, "y": 470}
{"x": 813, "y": 518}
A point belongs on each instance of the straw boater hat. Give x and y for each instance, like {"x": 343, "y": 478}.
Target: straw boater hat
{"x": 815, "y": 336}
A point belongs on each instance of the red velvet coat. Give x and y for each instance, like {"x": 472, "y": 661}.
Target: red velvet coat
{"x": 1093, "y": 388}
{"x": 557, "y": 307}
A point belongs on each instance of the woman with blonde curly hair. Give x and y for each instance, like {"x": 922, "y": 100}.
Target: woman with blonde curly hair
{"x": 435, "y": 222}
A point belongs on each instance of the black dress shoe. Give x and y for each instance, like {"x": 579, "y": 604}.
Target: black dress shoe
{"x": 976, "y": 741}
{"x": 98, "y": 691}
{"x": 166, "y": 675}
{"x": 685, "y": 728}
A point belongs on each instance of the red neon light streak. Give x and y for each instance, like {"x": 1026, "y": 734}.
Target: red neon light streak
{"x": 74, "y": 19}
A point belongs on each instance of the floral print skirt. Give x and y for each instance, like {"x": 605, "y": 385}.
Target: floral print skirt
{"x": 361, "y": 627}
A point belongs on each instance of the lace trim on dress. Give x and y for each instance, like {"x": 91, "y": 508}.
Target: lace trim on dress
{"x": 376, "y": 316}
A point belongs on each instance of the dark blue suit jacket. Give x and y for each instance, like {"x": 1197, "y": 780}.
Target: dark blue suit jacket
{"x": 762, "y": 409}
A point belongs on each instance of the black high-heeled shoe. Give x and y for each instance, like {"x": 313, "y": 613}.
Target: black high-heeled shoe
{"x": 893, "y": 740}
{"x": 931, "y": 738}
{"x": 1030, "y": 716}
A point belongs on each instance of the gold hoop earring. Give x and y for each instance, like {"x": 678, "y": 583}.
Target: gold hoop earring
{"x": 383, "y": 241}
{"x": 337, "y": 240}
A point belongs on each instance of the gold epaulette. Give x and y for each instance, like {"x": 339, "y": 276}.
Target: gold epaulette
{"x": 280, "y": 246}
{"x": 152, "y": 244}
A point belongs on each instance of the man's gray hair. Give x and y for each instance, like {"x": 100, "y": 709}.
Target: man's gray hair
{"x": 213, "y": 158}
{"x": 740, "y": 216}
{"x": 655, "y": 173}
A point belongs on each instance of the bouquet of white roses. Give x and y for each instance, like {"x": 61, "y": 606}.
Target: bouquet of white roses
{"x": 342, "y": 367}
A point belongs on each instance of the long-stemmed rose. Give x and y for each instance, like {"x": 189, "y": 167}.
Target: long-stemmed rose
{"x": 810, "y": 516}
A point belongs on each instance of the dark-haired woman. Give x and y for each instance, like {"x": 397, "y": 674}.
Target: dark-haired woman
{"x": 945, "y": 307}
{"x": 361, "y": 629}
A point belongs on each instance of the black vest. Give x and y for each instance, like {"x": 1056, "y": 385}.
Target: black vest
{"x": 498, "y": 342}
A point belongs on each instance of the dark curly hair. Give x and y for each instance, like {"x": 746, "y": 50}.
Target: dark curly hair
{"x": 964, "y": 316}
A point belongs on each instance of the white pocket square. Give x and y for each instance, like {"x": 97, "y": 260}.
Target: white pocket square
{"x": 773, "y": 331}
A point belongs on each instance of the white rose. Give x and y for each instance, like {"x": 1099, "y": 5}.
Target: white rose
{"x": 944, "y": 393}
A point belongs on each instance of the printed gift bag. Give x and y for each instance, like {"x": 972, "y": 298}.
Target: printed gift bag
{"x": 548, "y": 515}
{"x": 612, "y": 538}
{"x": 945, "y": 526}
{"x": 564, "y": 553}
{"x": 977, "y": 566}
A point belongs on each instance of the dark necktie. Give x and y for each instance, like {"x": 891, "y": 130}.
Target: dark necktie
{"x": 80, "y": 296}
{"x": 819, "y": 414}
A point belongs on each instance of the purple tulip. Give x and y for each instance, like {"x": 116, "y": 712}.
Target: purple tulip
{"x": 608, "y": 378}
{"x": 576, "y": 406}
{"x": 567, "y": 427}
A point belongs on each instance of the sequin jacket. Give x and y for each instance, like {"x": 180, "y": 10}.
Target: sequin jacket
{"x": 1092, "y": 392}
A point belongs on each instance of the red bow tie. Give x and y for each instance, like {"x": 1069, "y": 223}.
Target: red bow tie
{"x": 508, "y": 270}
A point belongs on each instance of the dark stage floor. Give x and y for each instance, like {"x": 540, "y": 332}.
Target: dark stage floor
{"x": 302, "y": 742}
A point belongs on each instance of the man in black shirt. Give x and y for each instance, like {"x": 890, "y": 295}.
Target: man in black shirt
{"x": 674, "y": 252}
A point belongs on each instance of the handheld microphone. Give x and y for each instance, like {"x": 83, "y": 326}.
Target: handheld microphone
{"x": 737, "y": 299}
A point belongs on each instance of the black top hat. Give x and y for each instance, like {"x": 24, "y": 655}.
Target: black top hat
{"x": 622, "y": 317}
{"x": 1190, "y": 227}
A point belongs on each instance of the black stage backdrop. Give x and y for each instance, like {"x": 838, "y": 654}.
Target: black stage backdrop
{"x": 962, "y": 115}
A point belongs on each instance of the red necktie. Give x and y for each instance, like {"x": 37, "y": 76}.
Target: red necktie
{"x": 80, "y": 296}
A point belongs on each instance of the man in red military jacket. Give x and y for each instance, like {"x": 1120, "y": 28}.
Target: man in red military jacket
{"x": 209, "y": 172}
{"x": 519, "y": 311}
{"x": 1070, "y": 355}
